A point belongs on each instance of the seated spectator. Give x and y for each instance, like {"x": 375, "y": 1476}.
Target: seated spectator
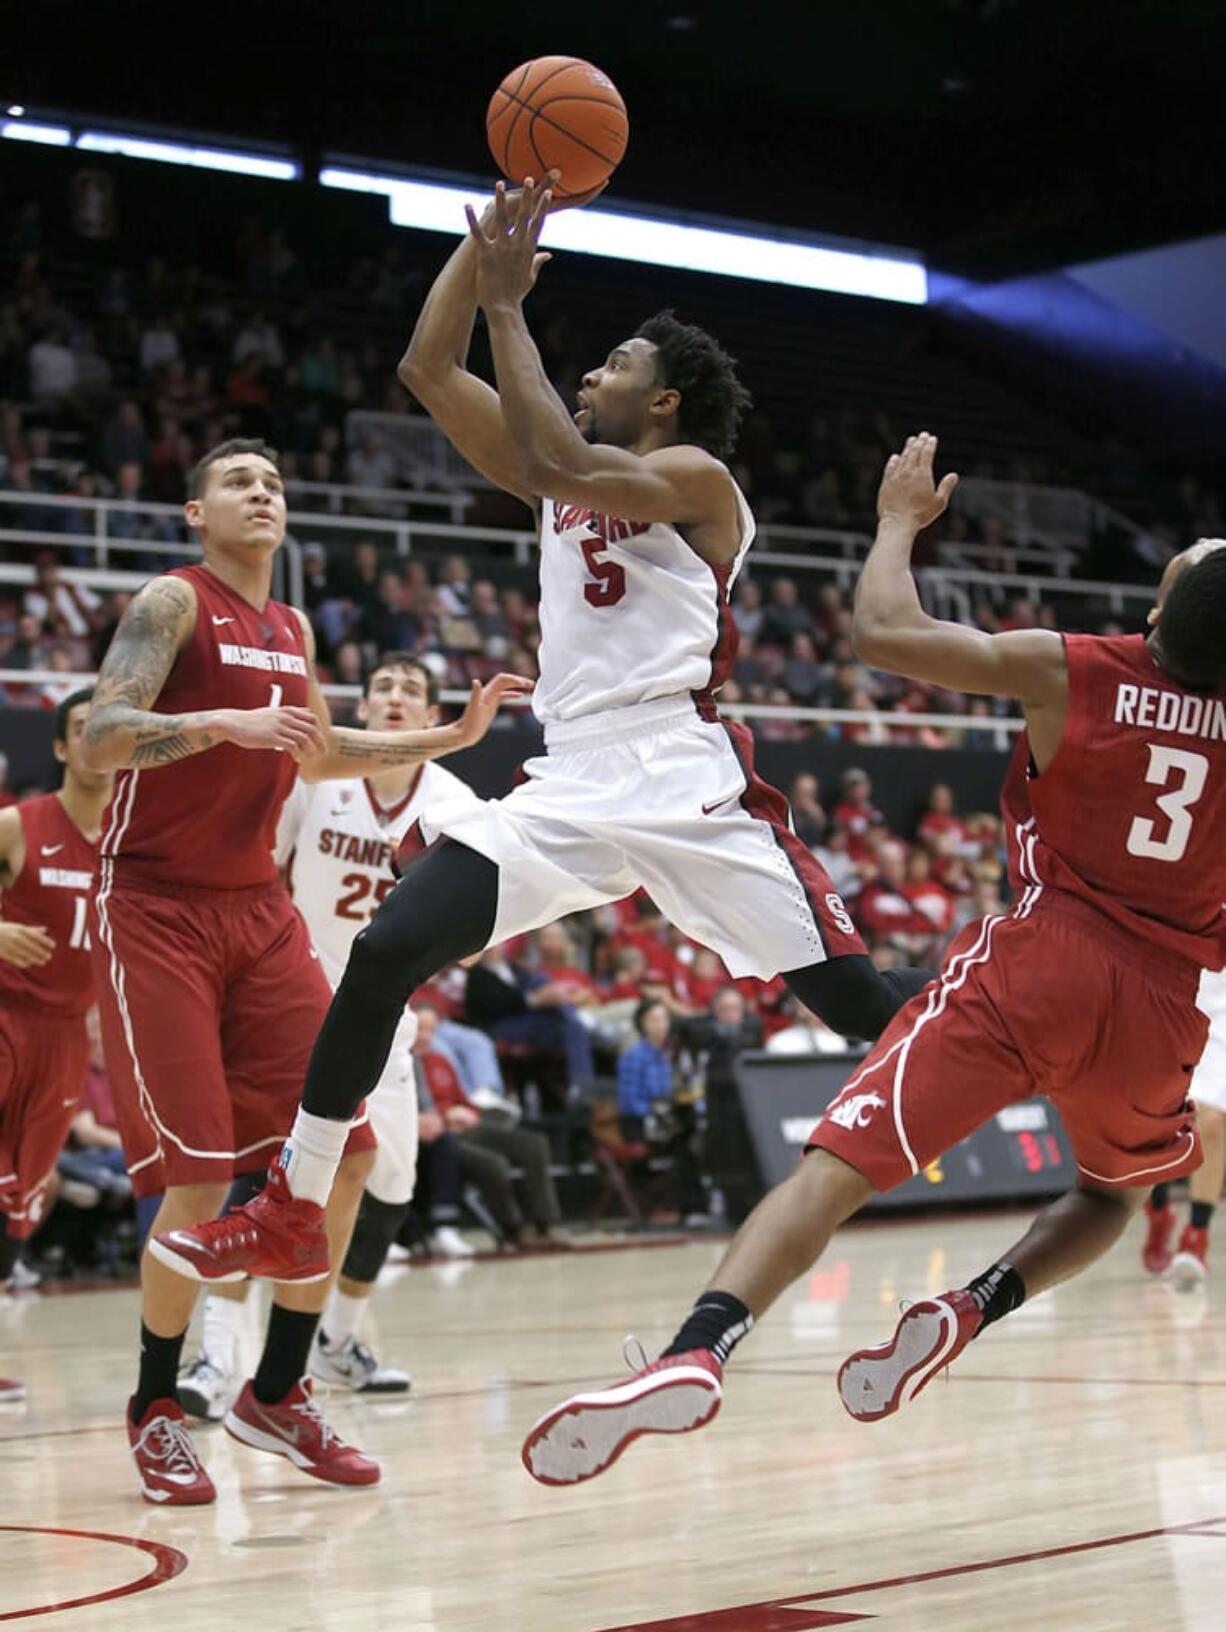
{"x": 370, "y": 463}
{"x": 727, "y": 1029}
{"x": 856, "y": 813}
{"x": 806, "y": 1035}
{"x": 258, "y": 339}
{"x": 62, "y": 609}
{"x": 159, "y": 345}
{"x": 454, "y": 593}
{"x": 884, "y": 913}
{"x": 94, "y": 1155}
{"x": 804, "y": 800}
{"x": 123, "y": 439}
{"x": 927, "y": 894}
{"x": 940, "y": 819}
{"x": 784, "y": 615}
{"x": 747, "y": 609}
{"x": 802, "y": 673}
{"x": 834, "y": 853}
{"x": 490, "y": 619}
{"x": 52, "y": 366}
{"x": 437, "y": 1197}
{"x": 648, "y": 1108}
{"x": 516, "y": 1005}
{"x": 491, "y": 1146}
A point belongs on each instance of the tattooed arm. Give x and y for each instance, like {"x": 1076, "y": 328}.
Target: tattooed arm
{"x": 124, "y": 730}
{"x": 350, "y": 753}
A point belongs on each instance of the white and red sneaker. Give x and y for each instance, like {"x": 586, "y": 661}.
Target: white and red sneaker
{"x": 587, "y": 1433}
{"x": 275, "y": 1235}
{"x": 1156, "y": 1252}
{"x": 295, "y": 1427}
{"x": 1190, "y": 1265}
{"x": 11, "y": 1391}
{"x": 170, "y": 1471}
{"x": 873, "y": 1383}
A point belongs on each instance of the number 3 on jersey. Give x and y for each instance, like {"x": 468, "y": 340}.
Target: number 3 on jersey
{"x": 1176, "y": 806}
{"x": 609, "y": 579}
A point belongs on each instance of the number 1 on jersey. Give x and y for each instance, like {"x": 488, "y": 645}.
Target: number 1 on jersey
{"x": 1176, "y": 806}
{"x": 277, "y": 692}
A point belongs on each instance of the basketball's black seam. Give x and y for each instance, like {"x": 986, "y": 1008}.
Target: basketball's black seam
{"x": 513, "y": 98}
{"x": 562, "y": 130}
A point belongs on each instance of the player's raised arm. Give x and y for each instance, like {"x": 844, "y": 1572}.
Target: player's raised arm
{"x": 345, "y": 753}
{"x": 435, "y": 370}
{"x": 890, "y": 628}
{"x": 124, "y": 730}
{"x": 683, "y": 485}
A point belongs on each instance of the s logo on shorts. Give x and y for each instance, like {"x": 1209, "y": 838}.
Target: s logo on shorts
{"x": 834, "y": 905}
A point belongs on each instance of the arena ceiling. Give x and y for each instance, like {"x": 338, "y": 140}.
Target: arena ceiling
{"x": 996, "y": 135}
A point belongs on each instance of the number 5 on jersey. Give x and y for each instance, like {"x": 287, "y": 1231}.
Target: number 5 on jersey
{"x": 1176, "y": 806}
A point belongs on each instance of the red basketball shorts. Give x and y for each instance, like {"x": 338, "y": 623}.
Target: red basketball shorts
{"x": 210, "y": 1002}
{"x": 1053, "y": 999}
{"x": 43, "y": 1060}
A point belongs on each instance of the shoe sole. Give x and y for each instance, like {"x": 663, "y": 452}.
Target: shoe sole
{"x": 163, "y": 1498}
{"x": 586, "y": 1435}
{"x": 198, "y": 1405}
{"x": 874, "y": 1383}
{"x": 335, "y": 1381}
{"x": 243, "y": 1431}
{"x": 186, "y": 1266}
{"x": 1186, "y": 1272}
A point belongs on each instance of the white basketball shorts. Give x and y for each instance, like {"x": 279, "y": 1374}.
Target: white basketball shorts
{"x": 1209, "y": 1078}
{"x": 659, "y": 797}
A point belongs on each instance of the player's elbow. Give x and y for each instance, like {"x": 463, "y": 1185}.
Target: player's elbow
{"x": 101, "y": 748}
{"x": 870, "y": 638}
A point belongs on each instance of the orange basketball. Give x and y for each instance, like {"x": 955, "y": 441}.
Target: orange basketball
{"x": 558, "y": 113}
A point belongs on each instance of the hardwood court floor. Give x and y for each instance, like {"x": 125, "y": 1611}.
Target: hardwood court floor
{"x": 1070, "y": 1474}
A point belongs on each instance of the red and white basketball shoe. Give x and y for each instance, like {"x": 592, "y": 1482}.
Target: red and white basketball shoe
{"x": 1190, "y": 1264}
{"x": 1156, "y": 1253}
{"x": 275, "y": 1235}
{"x": 295, "y": 1427}
{"x": 587, "y": 1433}
{"x": 170, "y": 1471}
{"x": 873, "y": 1383}
{"x": 11, "y": 1391}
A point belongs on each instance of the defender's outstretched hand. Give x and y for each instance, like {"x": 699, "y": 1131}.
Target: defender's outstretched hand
{"x": 484, "y": 703}
{"x": 908, "y": 491}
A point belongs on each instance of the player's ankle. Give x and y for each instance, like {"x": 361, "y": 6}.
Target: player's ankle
{"x": 311, "y": 1156}
{"x": 997, "y": 1292}
{"x": 717, "y": 1322}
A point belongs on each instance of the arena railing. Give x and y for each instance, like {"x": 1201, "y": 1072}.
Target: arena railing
{"x": 1000, "y": 727}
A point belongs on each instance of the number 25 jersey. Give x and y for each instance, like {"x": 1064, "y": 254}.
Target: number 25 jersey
{"x": 210, "y": 821}
{"x": 1130, "y": 815}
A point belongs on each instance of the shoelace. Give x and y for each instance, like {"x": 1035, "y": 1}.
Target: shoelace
{"x": 172, "y": 1445}
{"x": 310, "y": 1410}
{"x": 634, "y": 1354}
{"x": 232, "y": 1231}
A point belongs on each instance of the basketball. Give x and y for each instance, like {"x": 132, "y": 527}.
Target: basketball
{"x": 558, "y": 113}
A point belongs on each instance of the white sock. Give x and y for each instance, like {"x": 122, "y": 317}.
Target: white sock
{"x": 342, "y": 1317}
{"x": 312, "y": 1155}
{"x": 221, "y": 1321}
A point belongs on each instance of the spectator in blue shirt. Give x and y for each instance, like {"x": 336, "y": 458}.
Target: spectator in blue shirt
{"x": 645, "y": 1070}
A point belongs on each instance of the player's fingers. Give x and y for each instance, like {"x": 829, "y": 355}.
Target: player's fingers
{"x": 946, "y": 490}
{"x": 474, "y": 226}
{"x": 500, "y": 209}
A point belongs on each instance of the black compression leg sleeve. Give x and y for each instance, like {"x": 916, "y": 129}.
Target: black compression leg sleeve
{"x": 852, "y": 996}
{"x": 442, "y": 909}
{"x": 376, "y": 1229}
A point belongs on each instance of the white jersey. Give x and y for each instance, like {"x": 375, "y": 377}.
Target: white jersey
{"x": 342, "y": 843}
{"x": 1209, "y": 1078}
{"x": 629, "y": 612}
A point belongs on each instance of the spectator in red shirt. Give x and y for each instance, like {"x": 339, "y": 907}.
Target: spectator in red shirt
{"x": 941, "y": 819}
{"x": 856, "y": 812}
{"x": 927, "y": 894}
{"x": 883, "y": 911}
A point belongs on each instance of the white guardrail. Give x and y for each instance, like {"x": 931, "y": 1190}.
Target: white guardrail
{"x": 1001, "y": 729}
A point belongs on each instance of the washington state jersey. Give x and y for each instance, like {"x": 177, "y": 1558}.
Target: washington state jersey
{"x": 342, "y": 842}
{"x": 629, "y": 612}
{"x": 1131, "y": 813}
{"x": 210, "y": 821}
{"x": 52, "y": 890}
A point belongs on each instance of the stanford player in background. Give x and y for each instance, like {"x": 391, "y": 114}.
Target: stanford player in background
{"x": 643, "y": 532}
{"x": 210, "y": 994}
{"x": 1115, "y": 806}
{"x": 48, "y": 854}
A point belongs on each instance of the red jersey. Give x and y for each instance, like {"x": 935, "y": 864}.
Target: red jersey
{"x": 52, "y": 890}
{"x": 1131, "y": 813}
{"x": 211, "y": 820}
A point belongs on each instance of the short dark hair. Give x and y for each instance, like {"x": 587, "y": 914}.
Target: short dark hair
{"x": 1192, "y": 624}
{"x": 645, "y": 1008}
{"x": 691, "y": 362}
{"x": 199, "y": 474}
{"x": 405, "y": 660}
{"x": 64, "y": 709}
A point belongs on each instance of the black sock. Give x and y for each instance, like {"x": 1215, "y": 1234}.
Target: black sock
{"x": 159, "y": 1369}
{"x": 1202, "y": 1212}
{"x": 718, "y": 1322}
{"x": 1161, "y": 1196}
{"x": 998, "y": 1292}
{"x": 286, "y": 1351}
{"x": 10, "y": 1252}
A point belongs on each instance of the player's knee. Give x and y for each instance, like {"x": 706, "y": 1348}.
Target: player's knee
{"x": 374, "y": 1232}
{"x": 1125, "y": 1199}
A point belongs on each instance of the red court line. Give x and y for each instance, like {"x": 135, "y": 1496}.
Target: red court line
{"x": 772, "y": 1615}
{"x": 168, "y": 1562}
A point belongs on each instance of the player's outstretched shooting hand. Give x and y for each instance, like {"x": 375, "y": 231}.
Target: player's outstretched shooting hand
{"x": 506, "y": 236}
{"x": 484, "y": 703}
{"x": 291, "y": 730}
{"x": 25, "y": 946}
{"x": 908, "y": 491}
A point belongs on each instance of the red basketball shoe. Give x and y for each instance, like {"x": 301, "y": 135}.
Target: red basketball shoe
{"x": 587, "y": 1433}
{"x": 1190, "y": 1264}
{"x": 1156, "y": 1253}
{"x": 11, "y": 1391}
{"x": 170, "y": 1471}
{"x": 295, "y": 1427}
{"x": 274, "y": 1235}
{"x": 873, "y": 1383}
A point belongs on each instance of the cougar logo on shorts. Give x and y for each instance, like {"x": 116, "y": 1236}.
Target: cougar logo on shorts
{"x": 856, "y": 1112}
